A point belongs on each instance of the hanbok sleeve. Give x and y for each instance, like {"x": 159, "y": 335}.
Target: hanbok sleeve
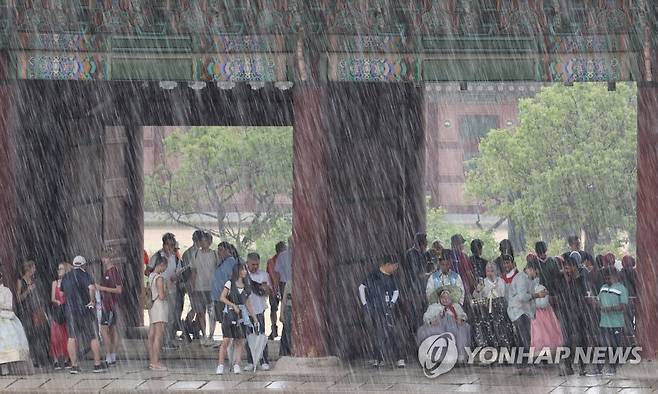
{"x": 6, "y": 299}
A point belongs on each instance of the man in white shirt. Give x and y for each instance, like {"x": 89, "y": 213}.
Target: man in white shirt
{"x": 260, "y": 290}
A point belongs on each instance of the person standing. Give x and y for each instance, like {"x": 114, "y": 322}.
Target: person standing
{"x": 275, "y": 294}
{"x": 32, "y": 312}
{"x": 81, "y": 323}
{"x": 14, "y": 347}
{"x": 462, "y": 265}
{"x": 203, "y": 267}
{"x": 222, "y": 274}
{"x": 613, "y": 301}
{"x": 549, "y": 271}
{"x": 191, "y": 326}
{"x": 379, "y": 294}
{"x": 159, "y": 312}
{"x": 284, "y": 265}
{"x": 58, "y": 334}
{"x": 285, "y": 348}
{"x": 111, "y": 287}
{"x": 175, "y": 296}
{"x": 574, "y": 246}
{"x": 479, "y": 263}
{"x": 571, "y": 302}
{"x": 506, "y": 249}
{"x": 260, "y": 290}
{"x": 413, "y": 281}
{"x": 521, "y": 307}
{"x": 237, "y": 314}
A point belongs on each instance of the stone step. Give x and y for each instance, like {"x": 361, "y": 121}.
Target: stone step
{"x": 135, "y": 349}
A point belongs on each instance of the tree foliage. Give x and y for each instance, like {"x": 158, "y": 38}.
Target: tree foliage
{"x": 569, "y": 165}
{"x": 216, "y": 164}
{"x": 439, "y": 228}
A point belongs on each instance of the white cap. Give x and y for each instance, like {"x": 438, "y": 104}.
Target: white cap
{"x": 79, "y": 261}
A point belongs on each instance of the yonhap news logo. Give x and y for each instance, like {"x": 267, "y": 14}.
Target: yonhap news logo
{"x": 438, "y": 354}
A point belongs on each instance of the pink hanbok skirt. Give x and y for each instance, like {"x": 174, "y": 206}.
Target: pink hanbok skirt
{"x": 545, "y": 330}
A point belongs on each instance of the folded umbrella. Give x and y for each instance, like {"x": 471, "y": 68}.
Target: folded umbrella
{"x": 256, "y": 343}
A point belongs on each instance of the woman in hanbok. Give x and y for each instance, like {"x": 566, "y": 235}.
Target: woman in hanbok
{"x": 14, "y": 347}
{"x": 447, "y": 316}
{"x": 491, "y": 324}
{"x": 545, "y": 329}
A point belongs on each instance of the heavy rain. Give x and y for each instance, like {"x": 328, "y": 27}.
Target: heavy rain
{"x": 328, "y": 196}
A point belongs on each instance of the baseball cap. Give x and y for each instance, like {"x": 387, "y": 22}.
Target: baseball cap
{"x": 79, "y": 261}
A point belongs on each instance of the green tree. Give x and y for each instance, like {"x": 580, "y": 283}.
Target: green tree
{"x": 216, "y": 164}
{"x": 439, "y": 228}
{"x": 569, "y": 165}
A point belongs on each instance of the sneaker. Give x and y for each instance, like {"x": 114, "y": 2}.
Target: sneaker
{"x": 100, "y": 368}
{"x": 74, "y": 370}
{"x": 57, "y": 366}
{"x": 610, "y": 372}
{"x": 236, "y": 369}
{"x": 373, "y": 363}
{"x": 381, "y": 364}
{"x": 249, "y": 367}
{"x": 265, "y": 367}
{"x": 220, "y": 369}
{"x": 67, "y": 365}
{"x": 400, "y": 363}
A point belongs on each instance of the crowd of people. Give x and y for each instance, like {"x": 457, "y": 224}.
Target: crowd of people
{"x": 572, "y": 300}
{"x": 222, "y": 288}
{"x": 81, "y": 315}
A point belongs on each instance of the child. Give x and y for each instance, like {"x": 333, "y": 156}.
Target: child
{"x": 378, "y": 294}
{"x": 613, "y": 299}
{"x": 447, "y": 315}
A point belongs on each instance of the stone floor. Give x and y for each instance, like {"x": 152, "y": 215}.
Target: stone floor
{"x": 198, "y": 375}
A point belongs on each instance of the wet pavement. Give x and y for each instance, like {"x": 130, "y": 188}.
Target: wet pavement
{"x": 288, "y": 376}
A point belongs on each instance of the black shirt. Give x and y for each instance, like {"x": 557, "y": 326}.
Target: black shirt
{"x": 549, "y": 275}
{"x": 75, "y": 285}
{"x": 379, "y": 286}
{"x": 413, "y": 270}
{"x": 480, "y": 266}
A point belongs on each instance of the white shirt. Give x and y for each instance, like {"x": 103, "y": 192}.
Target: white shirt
{"x": 259, "y": 303}
{"x": 283, "y": 266}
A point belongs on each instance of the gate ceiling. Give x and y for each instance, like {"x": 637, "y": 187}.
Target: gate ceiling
{"x": 355, "y": 40}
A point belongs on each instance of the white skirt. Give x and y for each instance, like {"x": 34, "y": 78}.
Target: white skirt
{"x": 158, "y": 312}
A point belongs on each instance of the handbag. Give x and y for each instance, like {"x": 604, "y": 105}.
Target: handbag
{"x": 147, "y": 296}
{"x": 58, "y": 314}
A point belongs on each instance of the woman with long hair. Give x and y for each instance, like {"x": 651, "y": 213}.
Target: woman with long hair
{"x": 58, "y": 334}
{"x": 157, "y": 313}
{"x": 236, "y": 315}
{"x": 30, "y": 296}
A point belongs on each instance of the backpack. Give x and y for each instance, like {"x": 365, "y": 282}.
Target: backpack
{"x": 147, "y": 296}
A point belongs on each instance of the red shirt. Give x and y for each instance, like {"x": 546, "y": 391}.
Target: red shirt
{"x": 112, "y": 279}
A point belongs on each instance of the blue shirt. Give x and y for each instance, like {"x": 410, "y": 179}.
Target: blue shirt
{"x": 222, "y": 275}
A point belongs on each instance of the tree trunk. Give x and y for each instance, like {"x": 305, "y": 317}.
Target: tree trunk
{"x": 591, "y": 239}
{"x": 516, "y": 235}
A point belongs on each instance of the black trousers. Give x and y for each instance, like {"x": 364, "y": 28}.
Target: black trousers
{"x": 522, "y": 331}
{"x": 261, "y": 330}
{"x": 383, "y": 332}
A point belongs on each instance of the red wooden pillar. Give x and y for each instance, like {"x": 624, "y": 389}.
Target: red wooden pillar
{"x": 7, "y": 191}
{"x": 310, "y": 202}
{"x": 647, "y": 217}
